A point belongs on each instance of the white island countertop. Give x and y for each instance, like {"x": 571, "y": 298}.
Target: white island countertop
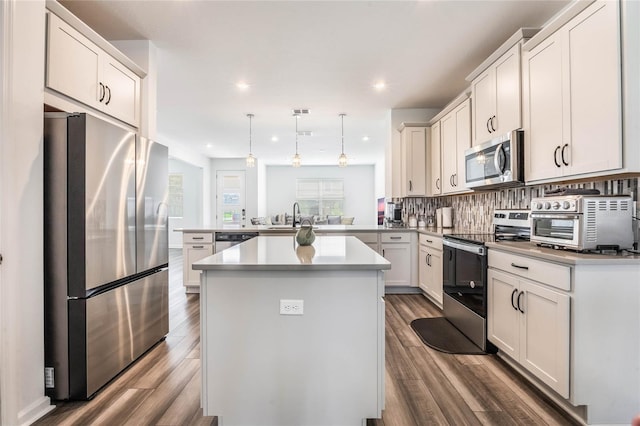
{"x": 278, "y": 253}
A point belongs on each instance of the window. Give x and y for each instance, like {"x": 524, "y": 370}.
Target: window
{"x": 176, "y": 198}
{"x": 320, "y": 197}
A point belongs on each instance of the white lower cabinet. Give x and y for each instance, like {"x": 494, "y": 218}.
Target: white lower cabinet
{"x": 430, "y": 267}
{"x": 397, "y": 248}
{"x": 195, "y": 246}
{"x": 530, "y": 323}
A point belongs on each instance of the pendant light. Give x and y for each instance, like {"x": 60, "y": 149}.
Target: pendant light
{"x": 296, "y": 158}
{"x": 251, "y": 160}
{"x": 342, "y": 160}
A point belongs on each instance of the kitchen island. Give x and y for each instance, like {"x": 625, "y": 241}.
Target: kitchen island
{"x": 293, "y": 335}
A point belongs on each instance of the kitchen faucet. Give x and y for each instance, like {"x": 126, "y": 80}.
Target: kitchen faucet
{"x": 294, "y": 213}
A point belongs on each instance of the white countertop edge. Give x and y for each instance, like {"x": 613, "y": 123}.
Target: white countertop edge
{"x": 280, "y": 253}
{"x": 564, "y": 256}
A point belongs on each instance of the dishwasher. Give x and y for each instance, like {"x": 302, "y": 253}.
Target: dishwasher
{"x": 225, "y": 240}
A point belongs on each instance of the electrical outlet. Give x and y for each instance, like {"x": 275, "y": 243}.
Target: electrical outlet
{"x": 291, "y": 307}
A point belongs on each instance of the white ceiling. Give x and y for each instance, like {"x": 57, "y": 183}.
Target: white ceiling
{"x": 321, "y": 55}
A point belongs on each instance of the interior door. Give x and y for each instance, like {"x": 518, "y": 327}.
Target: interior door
{"x": 230, "y": 198}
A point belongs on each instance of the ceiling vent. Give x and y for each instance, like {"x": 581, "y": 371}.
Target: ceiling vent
{"x": 300, "y": 111}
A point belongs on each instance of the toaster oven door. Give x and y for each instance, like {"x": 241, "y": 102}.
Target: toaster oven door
{"x": 557, "y": 229}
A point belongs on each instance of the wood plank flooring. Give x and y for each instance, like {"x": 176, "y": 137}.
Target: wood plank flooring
{"x": 423, "y": 386}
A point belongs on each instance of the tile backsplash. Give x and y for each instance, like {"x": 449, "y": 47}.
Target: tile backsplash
{"x": 474, "y": 211}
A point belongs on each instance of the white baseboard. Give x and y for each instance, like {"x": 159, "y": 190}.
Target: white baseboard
{"x": 35, "y": 411}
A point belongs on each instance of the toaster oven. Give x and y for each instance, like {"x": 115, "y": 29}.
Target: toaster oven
{"x": 583, "y": 222}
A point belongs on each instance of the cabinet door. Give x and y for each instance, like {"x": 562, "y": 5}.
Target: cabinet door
{"x": 484, "y": 105}
{"x": 449, "y": 152}
{"x": 592, "y": 46}
{"x": 192, "y": 253}
{"x": 508, "y": 92}
{"x": 400, "y": 257}
{"x": 543, "y": 110}
{"x": 463, "y": 142}
{"x": 423, "y": 268}
{"x": 418, "y": 178}
{"x": 434, "y": 276}
{"x": 435, "y": 182}
{"x": 502, "y": 316}
{"x": 122, "y": 87}
{"x": 72, "y": 62}
{"x": 544, "y": 337}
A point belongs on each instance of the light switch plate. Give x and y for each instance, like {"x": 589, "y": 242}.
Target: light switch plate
{"x": 291, "y": 307}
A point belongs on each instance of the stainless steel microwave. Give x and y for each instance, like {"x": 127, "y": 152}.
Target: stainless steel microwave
{"x": 496, "y": 163}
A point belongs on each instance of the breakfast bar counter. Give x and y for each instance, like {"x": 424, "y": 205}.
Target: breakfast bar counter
{"x": 293, "y": 335}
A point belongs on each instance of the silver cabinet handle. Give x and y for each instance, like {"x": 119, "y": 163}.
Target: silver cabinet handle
{"x": 198, "y": 246}
{"x": 197, "y": 238}
{"x": 109, "y": 99}
{"x": 395, "y": 238}
{"x": 515, "y": 290}
{"x": 438, "y": 183}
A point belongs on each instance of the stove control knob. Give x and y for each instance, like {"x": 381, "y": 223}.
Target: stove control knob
{"x": 538, "y": 206}
{"x": 566, "y": 205}
{"x": 556, "y": 205}
{"x": 547, "y": 205}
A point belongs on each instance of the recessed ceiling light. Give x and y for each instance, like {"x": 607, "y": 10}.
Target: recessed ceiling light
{"x": 274, "y": 138}
{"x": 380, "y": 85}
{"x": 365, "y": 138}
{"x": 242, "y": 85}
{"x": 209, "y": 145}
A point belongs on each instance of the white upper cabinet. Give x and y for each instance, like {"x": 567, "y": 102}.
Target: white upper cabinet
{"x": 414, "y": 159}
{"x": 455, "y": 138}
{"x": 572, "y": 98}
{"x": 76, "y": 67}
{"x": 496, "y": 98}
{"x": 434, "y": 184}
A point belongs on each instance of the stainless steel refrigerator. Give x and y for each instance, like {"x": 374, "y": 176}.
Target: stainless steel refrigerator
{"x": 105, "y": 251}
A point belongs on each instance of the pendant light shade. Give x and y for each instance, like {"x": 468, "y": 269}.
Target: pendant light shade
{"x": 251, "y": 160}
{"x": 342, "y": 160}
{"x": 295, "y": 162}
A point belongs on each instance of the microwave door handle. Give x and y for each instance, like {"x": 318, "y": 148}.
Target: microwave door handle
{"x": 497, "y": 159}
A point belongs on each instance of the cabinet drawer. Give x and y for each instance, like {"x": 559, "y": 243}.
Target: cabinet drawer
{"x": 366, "y": 237}
{"x": 198, "y": 237}
{"x": 551, "y": 274}
{"x": 395, "y": 237}
{"x": 431, "y": 241}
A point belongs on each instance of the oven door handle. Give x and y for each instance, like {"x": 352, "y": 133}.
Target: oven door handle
{"x": 554, "y": 216}
{"x": 481, "y": 250}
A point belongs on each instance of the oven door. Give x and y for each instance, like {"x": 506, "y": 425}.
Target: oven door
{"x": 561, "y": 229}
{"x": 465, "y": 275}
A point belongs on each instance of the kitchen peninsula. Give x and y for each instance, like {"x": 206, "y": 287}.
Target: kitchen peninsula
{"x": 296, "y": 333}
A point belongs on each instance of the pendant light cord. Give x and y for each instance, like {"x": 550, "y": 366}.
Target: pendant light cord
{"x": 342, "y": 126}
{"x": 296, "y": 134}
{"x": 250, "y": 116}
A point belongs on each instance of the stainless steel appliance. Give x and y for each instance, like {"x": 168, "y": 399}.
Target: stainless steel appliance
{"x": 225, "y": 240}
{"x": 393, "y": 218}
{"x": 496, "y": 163}
{"x": 464, "y": 273}
{"x": 106, "y": 251}
{"x": 583, "y": 222}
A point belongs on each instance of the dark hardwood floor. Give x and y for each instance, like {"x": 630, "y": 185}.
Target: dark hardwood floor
{"x": 423, "y": 386}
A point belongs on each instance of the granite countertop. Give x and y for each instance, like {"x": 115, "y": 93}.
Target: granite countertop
{"x": 282, "y": 253}
{"x": 567, "y": 256}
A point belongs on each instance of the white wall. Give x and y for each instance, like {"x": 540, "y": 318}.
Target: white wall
{"x": 251, "y": 183}
{"x": 22, "y": 40}
{"x": 392, "y": 148}
{"x": 192, "y": 200}
{"x": 359, "y": 192}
